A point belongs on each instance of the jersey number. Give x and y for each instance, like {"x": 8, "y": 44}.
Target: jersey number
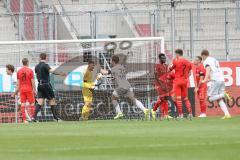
{"x": 183, "y": 71}
{"x": 24, "y": 76}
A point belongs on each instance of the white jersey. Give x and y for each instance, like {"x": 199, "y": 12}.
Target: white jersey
{"x": 14, "y": 80}
{"x": 216, "y": 72}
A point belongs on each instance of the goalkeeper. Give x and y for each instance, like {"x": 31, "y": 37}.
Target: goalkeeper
{"x": 87, "y": 91}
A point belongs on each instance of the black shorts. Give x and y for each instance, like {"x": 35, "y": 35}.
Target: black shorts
{"x": 45, "y": 91}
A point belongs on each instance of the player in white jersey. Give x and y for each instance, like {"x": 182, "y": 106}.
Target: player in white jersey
{"x": 216, "y": 85}
{"x": 10, "y": 71}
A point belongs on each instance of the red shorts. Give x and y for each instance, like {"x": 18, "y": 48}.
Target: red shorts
{"x": 27, "y": 97}
{"x": 180, "y": 88}
{"x": 202, "y": 92}
{"x": 161, "y": 92}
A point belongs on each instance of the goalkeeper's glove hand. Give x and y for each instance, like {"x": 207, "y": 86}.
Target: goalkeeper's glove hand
{"x": 99, "y": 76}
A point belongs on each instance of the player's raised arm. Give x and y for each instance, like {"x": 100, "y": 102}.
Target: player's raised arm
{"x": 53, "y": 71}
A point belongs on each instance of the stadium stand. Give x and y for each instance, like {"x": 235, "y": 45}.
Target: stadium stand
{"x": 7, "y": 30}
{"x": 211, "y": 22}
{"x": 215, "y": 25}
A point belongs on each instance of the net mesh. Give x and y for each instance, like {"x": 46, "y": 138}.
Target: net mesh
{"x": 138, "y": 56}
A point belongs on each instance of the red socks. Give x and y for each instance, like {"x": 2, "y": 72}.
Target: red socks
{"x": 157, "y": 104}
{"x": 203, "y": 106}
{"x": 188, "y": 105}
{"x": 32, "y": 108}
{"x": 164, "y": 108}
{"x": 23, "y": 113}
{"x": 179, "y": 105}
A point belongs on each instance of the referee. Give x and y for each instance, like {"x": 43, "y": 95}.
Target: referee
{"x": 44, "y": 89}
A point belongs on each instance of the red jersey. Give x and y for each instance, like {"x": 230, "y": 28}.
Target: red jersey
{"x": 200, "y": 71}
{"x": 25, "y": 76}
{"x": 161, "y": 70}
{"x": 182, "y": 68}
{"x": 171, "y": 76}
{"x": 165, "y": 77}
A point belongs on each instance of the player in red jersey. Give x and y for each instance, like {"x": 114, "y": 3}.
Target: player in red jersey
{"x": 163, "y": 85}
{"x": 201, "y": 88}
{"x": 26, "y": 87}
{"x": 182, "y": 68}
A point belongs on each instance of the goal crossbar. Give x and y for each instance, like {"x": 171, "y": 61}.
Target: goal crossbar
{"x": 85, "y": 41}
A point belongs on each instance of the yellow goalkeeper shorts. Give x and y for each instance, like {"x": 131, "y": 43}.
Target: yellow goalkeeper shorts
{"x": 87, "y": 95}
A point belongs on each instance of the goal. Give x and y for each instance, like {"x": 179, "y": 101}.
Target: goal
{"x": 138, "y": 55}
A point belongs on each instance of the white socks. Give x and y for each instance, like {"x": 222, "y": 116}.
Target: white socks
{"x": 117, "y": 107}
{"x": 223, "y": 106}
{"x": 140, "y": 105}
{"x": 137, "y": 103}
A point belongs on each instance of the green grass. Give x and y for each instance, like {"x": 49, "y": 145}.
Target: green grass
{"x": 200, "y": 139}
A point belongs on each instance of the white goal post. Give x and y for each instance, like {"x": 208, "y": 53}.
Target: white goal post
{"x": 85, "y": 41}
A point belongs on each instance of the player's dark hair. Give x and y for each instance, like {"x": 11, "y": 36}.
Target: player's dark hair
{"x": 179, "y": 52}
{"x": 43, "y": 56}
{"x": 25, "y": 61}
{"x": 90, "y": 61}
{"x": 199, "y": 58}
{"x": 10, "y": 67}
{"x": 161, "y": 55}
{"x": 204, "y": 53}
{"x": 115, "y": 59}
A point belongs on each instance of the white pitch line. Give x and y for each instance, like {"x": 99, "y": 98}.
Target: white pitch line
{"x": 118, "y": 147}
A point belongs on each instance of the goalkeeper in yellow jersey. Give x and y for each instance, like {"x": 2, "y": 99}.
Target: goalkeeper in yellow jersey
{"x": 87, "y": 91}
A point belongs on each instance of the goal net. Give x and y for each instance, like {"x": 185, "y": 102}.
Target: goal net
{"x": 138, "y": 55}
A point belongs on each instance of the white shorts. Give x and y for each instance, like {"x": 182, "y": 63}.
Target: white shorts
{"x": 216, "y": 88}
{"x": 121, "y": 92}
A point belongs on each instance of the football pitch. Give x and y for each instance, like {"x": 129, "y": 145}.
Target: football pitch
{"x": 200, "y": 139}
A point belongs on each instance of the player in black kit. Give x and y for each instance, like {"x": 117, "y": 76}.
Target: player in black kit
{"x": 44, "y": 89}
